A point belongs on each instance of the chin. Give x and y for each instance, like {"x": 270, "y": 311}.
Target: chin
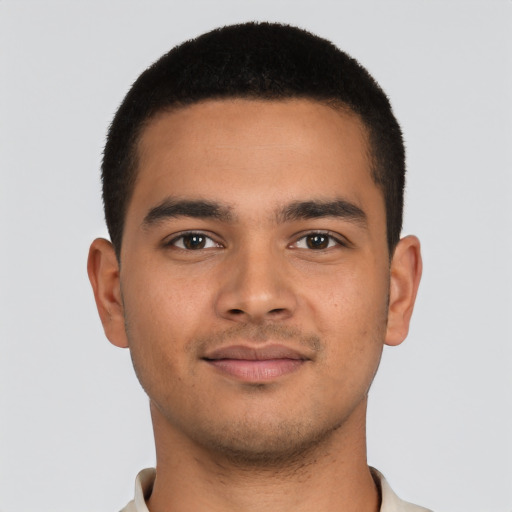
{"x": 267, "y": 446}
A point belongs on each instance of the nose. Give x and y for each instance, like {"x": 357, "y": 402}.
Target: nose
{"x": 256, "y": 289}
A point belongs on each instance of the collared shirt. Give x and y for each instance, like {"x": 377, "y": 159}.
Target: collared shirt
{"x": 390, "y": 501}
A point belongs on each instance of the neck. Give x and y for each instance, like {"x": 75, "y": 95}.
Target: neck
{"x": 331, "y": 476}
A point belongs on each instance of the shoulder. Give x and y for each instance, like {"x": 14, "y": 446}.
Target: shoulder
{"x": 143, "y": 487}
{"x": 390, "y": 501}
{"x": 129, "y": 508}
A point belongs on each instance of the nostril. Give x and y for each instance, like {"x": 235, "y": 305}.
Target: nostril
{"x": 276, "y": 311}
{"x": 236, "y": 312}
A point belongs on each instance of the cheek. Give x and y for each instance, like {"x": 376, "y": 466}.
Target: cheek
{"x": 162, "y": 314}
{"x": 164, "y": 304}
{"x": 349, "y": 298}
{"x": 351, "y": 315}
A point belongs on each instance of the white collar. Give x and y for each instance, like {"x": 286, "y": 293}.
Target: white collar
{"x": 390, "y": 501}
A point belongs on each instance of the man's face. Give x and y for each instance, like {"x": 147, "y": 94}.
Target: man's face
{"x": 255, "y": 273}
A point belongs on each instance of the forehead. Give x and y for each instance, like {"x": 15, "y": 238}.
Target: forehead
{"x": 244, "y": 151}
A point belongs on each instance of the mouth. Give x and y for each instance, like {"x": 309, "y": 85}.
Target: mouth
{"x": 251, "y": 364}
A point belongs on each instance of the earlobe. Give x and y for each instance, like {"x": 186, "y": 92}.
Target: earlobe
{"x": 103, "y": 270}
{"x": 405, "y": 275}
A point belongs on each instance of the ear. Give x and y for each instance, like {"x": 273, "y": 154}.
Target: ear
{"x": 103, "y": 270}
{"x": 405, "y": 275}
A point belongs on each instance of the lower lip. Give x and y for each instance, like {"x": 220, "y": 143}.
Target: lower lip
{"x": 257, "y": 371}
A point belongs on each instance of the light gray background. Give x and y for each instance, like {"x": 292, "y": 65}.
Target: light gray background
{"x": 74, "y": 425}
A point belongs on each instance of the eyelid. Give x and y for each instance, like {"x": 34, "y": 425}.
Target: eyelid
{"x": 170, "y": 241}
{"x": 339, "y": 239}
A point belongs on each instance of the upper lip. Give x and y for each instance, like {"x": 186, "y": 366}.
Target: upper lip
{"x": 248, "y": 353}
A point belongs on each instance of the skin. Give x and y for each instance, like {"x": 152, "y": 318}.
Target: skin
{"x": 278, "y": 434}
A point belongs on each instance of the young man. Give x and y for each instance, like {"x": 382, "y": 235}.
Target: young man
{"x": 253, "y": 188}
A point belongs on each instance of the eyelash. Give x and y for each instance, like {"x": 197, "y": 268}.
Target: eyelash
{"x": 338, "y": 240}
{"x": 189, "y": 234}
{"x": 332, "y": 241}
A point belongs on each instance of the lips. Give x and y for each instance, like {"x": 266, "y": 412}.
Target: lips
{"x": 256, "y": 364}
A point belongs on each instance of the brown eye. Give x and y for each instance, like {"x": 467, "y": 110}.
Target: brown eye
{"x": 193, "y": 242}
{"x": 317, "y": 241}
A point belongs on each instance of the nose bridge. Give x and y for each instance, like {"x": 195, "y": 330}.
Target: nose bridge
{"x": 256, "y": 286}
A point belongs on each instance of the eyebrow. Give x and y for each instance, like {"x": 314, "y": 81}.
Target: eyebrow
{"x": 341, "y": 208}
{"x": 298, "y": 210}
{"x": 200, "y": 209}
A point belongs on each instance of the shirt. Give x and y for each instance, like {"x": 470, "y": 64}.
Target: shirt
{"x": 390, "y": 502}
